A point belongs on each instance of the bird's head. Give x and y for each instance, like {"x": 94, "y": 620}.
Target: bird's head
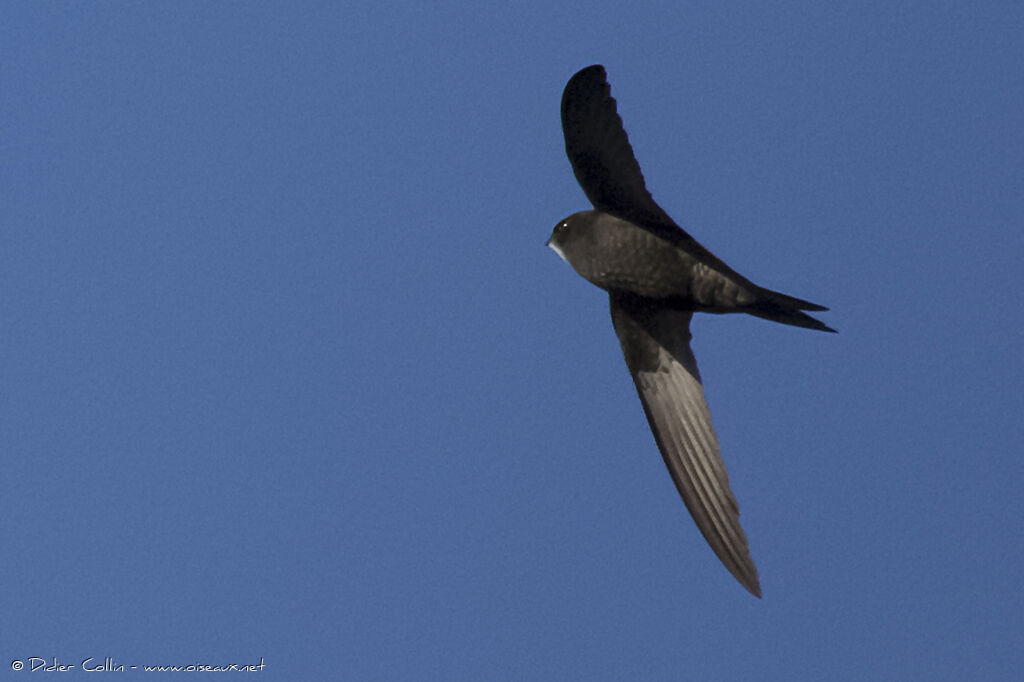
{"x": 570, "y": 233}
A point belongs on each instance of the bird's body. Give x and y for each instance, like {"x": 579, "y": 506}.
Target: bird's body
{"x": 657, "y": 276}
{"x": 616, "y": 255}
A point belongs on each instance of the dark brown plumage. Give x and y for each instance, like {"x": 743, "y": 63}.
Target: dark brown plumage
{"x": 657, "y": 276}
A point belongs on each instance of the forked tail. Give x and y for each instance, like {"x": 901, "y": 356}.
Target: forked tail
{"x": 788, "y": 310}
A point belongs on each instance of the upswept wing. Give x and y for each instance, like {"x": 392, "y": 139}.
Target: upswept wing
{"x": 599, "y": 151}
{"x": 603, "y": 162}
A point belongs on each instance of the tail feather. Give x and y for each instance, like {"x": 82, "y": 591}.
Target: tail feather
{"x": 792, "y": 301}
{"x": 788, "y": 310}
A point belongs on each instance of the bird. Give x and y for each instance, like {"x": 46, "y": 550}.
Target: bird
{"x": 657, "y": 276}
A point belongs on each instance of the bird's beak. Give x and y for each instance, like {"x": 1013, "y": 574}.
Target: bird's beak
{"x": 556, "y": 249}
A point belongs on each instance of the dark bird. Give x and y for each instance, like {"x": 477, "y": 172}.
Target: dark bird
{"x": 657, "y": 276}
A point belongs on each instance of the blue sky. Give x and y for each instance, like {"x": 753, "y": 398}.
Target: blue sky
{"x": 288, "y": 373}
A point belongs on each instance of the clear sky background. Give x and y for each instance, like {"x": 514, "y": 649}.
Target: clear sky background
{"x": 286, "y": 371}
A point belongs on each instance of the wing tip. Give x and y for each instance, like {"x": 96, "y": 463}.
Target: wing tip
{"x": 746, "y": 575}
{"x": 743, "y": 569}
{"x": 592, "y": 70}
{"x": 580, "y": 89}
